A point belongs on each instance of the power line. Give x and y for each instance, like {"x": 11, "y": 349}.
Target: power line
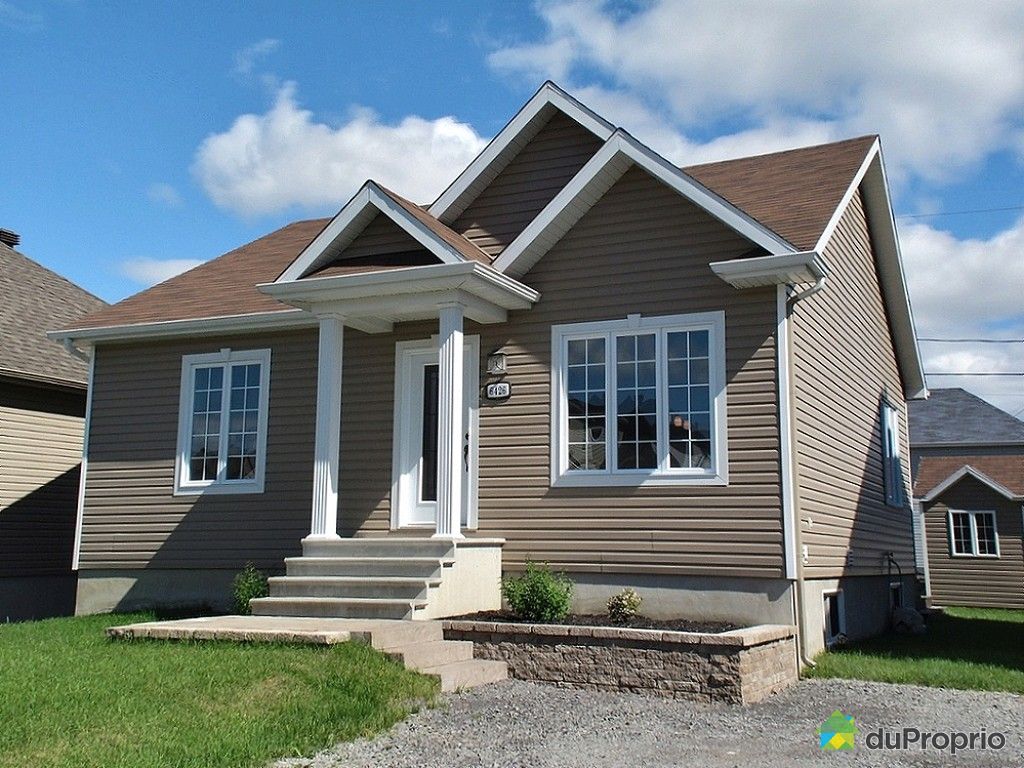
{"x": 960, "y": 213}
{"x": 972, "y": 341}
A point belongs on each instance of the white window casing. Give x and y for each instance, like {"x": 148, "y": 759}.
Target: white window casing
{"x": 218, "y": 391}
{"x": 676, "y": 453}
{"x": 892, "y": 462}
{"x": 972, "y": 534}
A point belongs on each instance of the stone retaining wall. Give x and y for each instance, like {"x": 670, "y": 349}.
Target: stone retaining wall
{"x": 737, "y": 667}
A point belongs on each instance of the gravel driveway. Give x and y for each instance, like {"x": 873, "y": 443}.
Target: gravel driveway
{"x": 524, "y": 724}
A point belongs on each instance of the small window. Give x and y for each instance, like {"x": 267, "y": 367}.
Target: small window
{"x": 640, "y": 400}
{"x": 222, "y": 428}
{"x": 834, "y": 607}
{"x": 892, "y": 464}
{"x": 973, "y": 534}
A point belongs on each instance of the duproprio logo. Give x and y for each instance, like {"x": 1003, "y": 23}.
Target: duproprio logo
{"x": 837, "y": 732}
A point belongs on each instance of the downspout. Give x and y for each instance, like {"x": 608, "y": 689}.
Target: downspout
{"x": 798, "y": 593}
{"x": 69, "y": 345}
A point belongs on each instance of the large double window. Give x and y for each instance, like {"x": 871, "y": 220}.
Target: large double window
{"x": 222, "y": 429}
{"x": 973, "y": 534}
{"x": 640, "y": 400}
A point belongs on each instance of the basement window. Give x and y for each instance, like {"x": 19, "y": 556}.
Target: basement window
{"x": 222, "y": 423}
{"x": 639, "y": 401}
{"x": 834, "y": 609}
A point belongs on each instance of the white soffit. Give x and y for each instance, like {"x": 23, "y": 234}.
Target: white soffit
{"x": 512, "y": 138}
{"x": 789, "y": 268}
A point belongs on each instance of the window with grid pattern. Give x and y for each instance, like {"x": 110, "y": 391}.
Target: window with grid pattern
{"x": 640, "y": 399}
{"x": 973, "y": 534}
{"x": 222, "y": 431}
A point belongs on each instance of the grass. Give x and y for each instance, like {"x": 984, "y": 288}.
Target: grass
{"x": 70, "y": 697}
{"x": 967, "y": 648}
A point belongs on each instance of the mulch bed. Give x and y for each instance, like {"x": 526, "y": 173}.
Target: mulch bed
{"x": 601, "y": 620}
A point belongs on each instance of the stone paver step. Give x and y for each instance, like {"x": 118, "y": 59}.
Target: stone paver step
{"x": 462, "y": 675}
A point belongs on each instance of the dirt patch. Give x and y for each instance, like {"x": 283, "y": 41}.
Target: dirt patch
{"x": 601, "y": 620}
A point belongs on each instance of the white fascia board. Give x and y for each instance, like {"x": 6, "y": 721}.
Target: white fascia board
{"x": 959, "y": 475}
{"x": 351, "y": 220}
{"x": 837, "y": 214}
{"x": 501, "y": 148}
{"x": 875, "y": 188}
{"x": 787, "y": 268}
{"x": 472, "y": 276}
{"x": 280, "y": 320}
{"x": 595, "y": 178}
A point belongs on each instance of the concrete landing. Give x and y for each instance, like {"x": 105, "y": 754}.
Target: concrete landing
{"x": 419, "y": 645}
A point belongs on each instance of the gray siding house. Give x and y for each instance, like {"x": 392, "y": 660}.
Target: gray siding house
{"x": 42, "y": 409}
{"x": 689, "y": 381}
{"x": 968, "y": 467}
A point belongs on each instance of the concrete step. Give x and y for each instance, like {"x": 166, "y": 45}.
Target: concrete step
{"x": 461, "y": 675}
{"x": 388, "y": 587}
{"x": 391, "y": 546}
{"x": 433, "y": 653}
{"x": 424, "y": 567}
{"x": 327, "y": 607}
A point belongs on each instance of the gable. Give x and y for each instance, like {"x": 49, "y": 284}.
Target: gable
{"x": 527, "y": 184}
{"x": 381, "y": 245}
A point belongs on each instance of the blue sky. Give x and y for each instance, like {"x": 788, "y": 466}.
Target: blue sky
{"x": 140, "y": 138}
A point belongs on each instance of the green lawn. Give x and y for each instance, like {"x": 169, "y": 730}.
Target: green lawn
{"x": 70, "y": 697}
{"x": 969, "y": 648}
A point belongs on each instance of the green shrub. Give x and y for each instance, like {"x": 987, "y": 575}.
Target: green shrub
{"x": 249, "y": 583}
{"x": 539, "y": 595}
{"x": 623, "y": 607}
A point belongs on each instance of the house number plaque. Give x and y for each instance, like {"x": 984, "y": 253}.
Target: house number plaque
{"x": 500, "y": 390}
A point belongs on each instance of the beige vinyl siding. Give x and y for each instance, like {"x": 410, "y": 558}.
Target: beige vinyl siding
{"x": 843, "y": 364}
{"x": 527, "y": 184}
{"x": 40, "y": 454}
{"x": 641, "y": 249}
{"x": 132, "y": 518}
{"x": 980, "y": 581}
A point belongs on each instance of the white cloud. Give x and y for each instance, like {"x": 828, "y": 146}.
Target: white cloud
{"x": 284, "y": 157}
{"x": 969, "y": 289}
{"x": 165, "y": 194}
{"x": 942, "y": 82}
{"x": 246, "y": 59}
{"x": 147, "y": 271}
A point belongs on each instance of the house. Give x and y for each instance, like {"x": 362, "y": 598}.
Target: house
{"x": 967, "y": 458}
{"x": 42, "y": 408}
{"x": 688, "y": 381}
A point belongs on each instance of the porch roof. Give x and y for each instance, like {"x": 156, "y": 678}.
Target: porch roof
{"x": 374, "y": 301}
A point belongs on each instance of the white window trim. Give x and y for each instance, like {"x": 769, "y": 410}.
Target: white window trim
{"x": 973, "y": 517}
{"x": 892, "y": 457}
{"x": 185, "y": 487}
{"x": 714, "y": 323}
{"x": 840, "y": 597}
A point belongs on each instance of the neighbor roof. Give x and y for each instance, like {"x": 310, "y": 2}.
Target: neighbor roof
{"x": 34, "y": 299}
{"x": 793, "y": 193}
{"x": 1001, "y": 472}
{"x": 955, "y": 416}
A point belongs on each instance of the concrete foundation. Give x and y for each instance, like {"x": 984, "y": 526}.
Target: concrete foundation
{"x": 23, "y": 598}
{"x": 105, "y": 591}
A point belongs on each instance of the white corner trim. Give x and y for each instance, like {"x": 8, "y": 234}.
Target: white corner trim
{"x": 522, "y": 127}
{"x": 225, "y": 357}
{"x": 783, "y": 269}
{"x": 607, "y": 165}
{"x": 786, "y": 446}
{"x": 561, "y": 476}
{"x": 80, "y": 513}
{"x": 959, "y": 475}
{"x": 351, "y": 220}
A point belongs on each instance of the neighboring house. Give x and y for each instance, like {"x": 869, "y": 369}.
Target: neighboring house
{"x": 699, "y": 385}
{"x": 42, "y": 407}
{"x": 968, "y": 466}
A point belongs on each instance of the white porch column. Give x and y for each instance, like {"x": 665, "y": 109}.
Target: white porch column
{"x": 450, "y": 428}
{"x": 328, "y": 428}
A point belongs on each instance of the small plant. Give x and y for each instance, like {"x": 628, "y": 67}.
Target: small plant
{"x": 623, "y": 607}
{"x": 250, "y": 583}
{"x": 539, "y": 595}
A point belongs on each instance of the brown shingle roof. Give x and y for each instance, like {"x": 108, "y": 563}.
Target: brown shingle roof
{"x": 222, "y": 287}
{"x": 793, "y": 193}
{"x": 1007, "y": 470}
{"x": 34, "y": 300}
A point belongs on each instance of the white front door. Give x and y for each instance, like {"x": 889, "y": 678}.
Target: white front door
{"x": 414, "y": 483}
